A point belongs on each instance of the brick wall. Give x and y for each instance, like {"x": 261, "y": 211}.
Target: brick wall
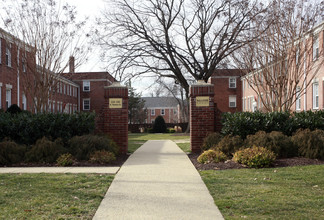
{"x": 202, "y": 117}
{"x": 220, "y": 79}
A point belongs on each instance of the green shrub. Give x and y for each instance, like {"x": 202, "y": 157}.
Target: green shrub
{"x": 45, "y": 151}
{"x": 83, "y": 146}
{"x": 310, "y": 143}
{"x": 65, "y": 160}
{"x": 211, "y": 140}
{"x": 26, "y": 128}
{"x": 159, "y": 125}
{"x": 171, "y": 130}
{"x": 211, "y": 156}
{"x": 247, "y": 123}
{"x": 275, "y": 141}
{"x": 11, "y": 153}
{"x": 255, "y": 157}
{"x": 102, "y": 157}
{"x": 14, "y": 109}
{"x": 229, "y": 144}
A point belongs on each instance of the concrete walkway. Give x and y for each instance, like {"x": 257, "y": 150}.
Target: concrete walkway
{"x": 158, "y": 181}
{"x": 103, "y": 170}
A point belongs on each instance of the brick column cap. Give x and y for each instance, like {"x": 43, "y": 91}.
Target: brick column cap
{"x": 115, "y": 85}
{"x": 201, "y": 83}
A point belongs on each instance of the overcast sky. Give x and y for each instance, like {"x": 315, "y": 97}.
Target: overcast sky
{"x": 93, "y": 9}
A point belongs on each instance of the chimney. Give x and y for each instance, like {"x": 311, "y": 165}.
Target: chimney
{"x": 71, "y": 64}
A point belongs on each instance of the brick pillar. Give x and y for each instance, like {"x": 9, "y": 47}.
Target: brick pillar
{"x": 115, "y": 115}
{"x": 201, "y": 113}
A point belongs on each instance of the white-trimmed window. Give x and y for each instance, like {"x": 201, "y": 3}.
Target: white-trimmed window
{"x": 24, "y": 67}
{"x": 152, "y": 111}
{"x": 86, "y": 104}
{"x": 298, "y": 98}
{"x": 64, "y": 89}
{"x": 24, "y": 102}
{"x": 86, "y": 86}
{"x": 8, "y": 98}
{"x": 70, "y": 89}
{"x": 232, "y": 82}
{"x": 175, "y": 111}
{"x": 315, "y": 47}
{"x": 243, "y": 104}
{"x": 232, "y": 101}
{"x": 315, "y": 96}
{"x": 162, "y": 111}
{"x": 8, "y": 56}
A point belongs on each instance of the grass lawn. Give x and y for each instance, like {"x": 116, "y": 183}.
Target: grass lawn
{"x": 135, "y": 140}
{"x": 51, "y": 196}
{"x": 185, "y": 147}
{"x": 284, "y": 193}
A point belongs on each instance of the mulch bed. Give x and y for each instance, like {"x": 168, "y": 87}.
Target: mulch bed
{"x": 120, "y": 160}
{"x": 286, "y": 162}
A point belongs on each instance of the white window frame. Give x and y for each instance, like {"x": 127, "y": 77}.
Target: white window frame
{"x": 8, "y": 55}
{"x": 230, "y": 100}
{"x": 24, "y": 102}
{"x": 84, "y": 105}
{"x": 232, "y": 82}
{"x": 8, "y": 98}
{"x": 162, "y": 111}
{"x": 315, "y": 47}
{"x": 298, "y": 98}
{"x": 86, "y": 86}
{"x": 152, "y": 111}
{"x": 315, "y": 95}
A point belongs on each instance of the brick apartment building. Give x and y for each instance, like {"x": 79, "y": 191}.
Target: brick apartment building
{"x": 167, "y": 107}
{"x": 73, "y": 91}
{"x": 228, "y": 89}
{"x": 310, "y": 98}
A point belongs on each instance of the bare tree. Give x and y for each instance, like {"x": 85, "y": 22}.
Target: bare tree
{"x": 180, "y": 39}
{"x": 51, "y": 34}
{"x": 283, "y": 59}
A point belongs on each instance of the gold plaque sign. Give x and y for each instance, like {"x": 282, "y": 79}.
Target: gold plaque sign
{"x": 202, "y": 101}
{"x": 115, "y": 103}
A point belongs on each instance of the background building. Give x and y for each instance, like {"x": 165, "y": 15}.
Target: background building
{"x": 168, "y": 107}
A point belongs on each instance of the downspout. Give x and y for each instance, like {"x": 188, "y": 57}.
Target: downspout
{"x": 305, "y": 92}
{"x": 18, "y": 79}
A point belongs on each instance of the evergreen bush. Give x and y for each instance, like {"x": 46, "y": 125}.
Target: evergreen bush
{"x": 45, "y": 151}
{"x": 310, "y": 143}
{"x": 255, "y": 157}
{"x": 82, "y": 147}
{"x": 11, "y": 153}
{"x": 159, "y": 125}
{"x": 229, "y": 144}
{"x": 26, "y": 128}
{"x": 211, "y": 156}
{"x": 274, "y": 141}
{"x": 211, "y": 140}
{"x": 248, "y": 123}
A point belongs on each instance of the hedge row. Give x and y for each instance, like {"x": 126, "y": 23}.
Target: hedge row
{"x": 26, "y": 128}
{"x": 247, "y": 123}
